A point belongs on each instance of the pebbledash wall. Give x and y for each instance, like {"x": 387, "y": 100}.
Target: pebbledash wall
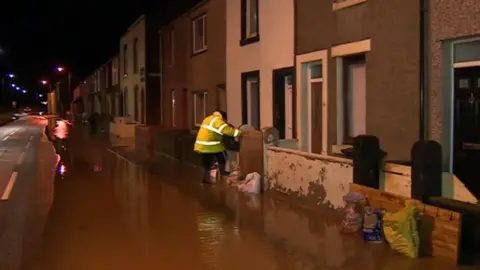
{"x": 324, "y": 179}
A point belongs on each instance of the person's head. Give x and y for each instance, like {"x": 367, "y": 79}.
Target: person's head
{"x": 224, "y": 114}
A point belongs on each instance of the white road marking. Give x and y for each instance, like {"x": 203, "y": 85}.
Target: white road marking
{"x": 21, "y": 159}
{"x": 120, "y": 156}
{"x": 6, "y": 138}
{"x": 27, "y": 146}
{"x": 8, "y": 189}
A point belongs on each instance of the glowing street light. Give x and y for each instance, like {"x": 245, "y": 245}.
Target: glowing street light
{"x": 60, "y": 69}
{"x": 18, "y": 88}
{"x": 40, "y": 95}
{"x": 10, "y": 75}
{"x": 24, "y": 91}
{"x": 12, "y": 85}
{"x": 44, "y": 82}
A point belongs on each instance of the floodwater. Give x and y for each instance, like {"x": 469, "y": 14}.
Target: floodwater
{"x": 110, "y": 213}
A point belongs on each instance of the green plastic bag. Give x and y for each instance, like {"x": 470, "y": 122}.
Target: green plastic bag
{"x": 400, "y": 230}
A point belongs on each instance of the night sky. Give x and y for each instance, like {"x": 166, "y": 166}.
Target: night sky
{"x": 37, "y": 36}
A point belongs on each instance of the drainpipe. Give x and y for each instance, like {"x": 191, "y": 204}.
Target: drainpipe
{"x": 423, "y": 63}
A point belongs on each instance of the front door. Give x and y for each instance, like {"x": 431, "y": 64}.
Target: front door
{"x": 316, "y": 117}
{"x": 467, "y": 127}
{"x": 283, "y": 102}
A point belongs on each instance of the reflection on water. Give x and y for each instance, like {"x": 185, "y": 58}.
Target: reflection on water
{"x": 61, "y": 129}
{"x": 137, "y": 220}
{"x": 62, "y": 169}
{"x": 131, "y": 187}
{"x": 211, "y": 233}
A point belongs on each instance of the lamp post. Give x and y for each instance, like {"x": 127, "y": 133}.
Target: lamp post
{"x": 61, "y": 69}
{"x": 51, "y": 98}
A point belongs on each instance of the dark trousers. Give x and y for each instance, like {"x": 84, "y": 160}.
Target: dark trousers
{"x": 209, "y": 159}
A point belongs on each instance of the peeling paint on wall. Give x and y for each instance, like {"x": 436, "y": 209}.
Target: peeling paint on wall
{"x": 326, "y": 179}
{"x": 323, "y": 179}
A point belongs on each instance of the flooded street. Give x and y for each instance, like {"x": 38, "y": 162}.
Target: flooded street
{"x": 109, "y": 212}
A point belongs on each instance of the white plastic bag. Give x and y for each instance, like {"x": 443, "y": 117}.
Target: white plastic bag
{"x": 251, "y": 184}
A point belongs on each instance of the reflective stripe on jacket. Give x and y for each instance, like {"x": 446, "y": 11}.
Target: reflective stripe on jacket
{"x": 209, "y": 137}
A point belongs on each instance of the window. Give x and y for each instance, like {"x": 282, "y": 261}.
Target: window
{"x": 354, "y": 97}
{"x": 171, "y": 48}
{"x": 199, "y": 107}
{"x": 199, "y": 27}
{"x": 251, "y": 99}
{"x": 125, "y": 60}
{"x": 135, "y": 55}
{"x": 249, "y": 22}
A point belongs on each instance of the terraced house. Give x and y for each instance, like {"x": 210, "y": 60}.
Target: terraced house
{"x": 193, "y": 65}
{"x": 260, "y": 64}
{"x": 139, "y": 82}
{"x": 357, "y": 72}
{"x": 454, "y": 90}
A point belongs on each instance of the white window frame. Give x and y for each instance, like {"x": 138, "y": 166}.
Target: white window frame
{"x": 248, "y": 14}
{"x": 198, "y": 122}
{"x": 339, "y": 52}
{"x": 303, "y": 111}
{"x": 202, "y": 19}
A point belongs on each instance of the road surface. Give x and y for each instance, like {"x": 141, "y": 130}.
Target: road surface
{"x": 102, "y": 211}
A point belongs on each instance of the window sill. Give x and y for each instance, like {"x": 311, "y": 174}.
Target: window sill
{"x": 341, "y": 4}
{"x": 195, "y": 53}
{"x": 250, "y": 40}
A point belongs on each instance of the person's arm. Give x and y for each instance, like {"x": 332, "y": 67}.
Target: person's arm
{"x": 228, "y": 130}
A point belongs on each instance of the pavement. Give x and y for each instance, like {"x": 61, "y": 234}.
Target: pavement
{"x": 106, "y": 206}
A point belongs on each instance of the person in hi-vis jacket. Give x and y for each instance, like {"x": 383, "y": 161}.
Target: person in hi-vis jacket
{"x": 209, "y": 142}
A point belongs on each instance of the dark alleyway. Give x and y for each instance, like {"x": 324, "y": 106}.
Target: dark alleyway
{"x": 108, "y": 213}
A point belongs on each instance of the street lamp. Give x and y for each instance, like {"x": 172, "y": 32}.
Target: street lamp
{"x": 18, "y": 88}
{"x": 24, "y": 91}
{"x": 61, "y": 69}
{"x": 13, "y": 85}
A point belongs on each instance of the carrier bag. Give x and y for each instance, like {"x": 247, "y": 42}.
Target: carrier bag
{"x": 400, "y": 230}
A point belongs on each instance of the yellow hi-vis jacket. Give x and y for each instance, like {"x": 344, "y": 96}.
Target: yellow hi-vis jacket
{"x": 209, "y": 137}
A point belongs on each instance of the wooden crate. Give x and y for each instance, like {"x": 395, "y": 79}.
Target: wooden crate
{"x": 439, "y": 229}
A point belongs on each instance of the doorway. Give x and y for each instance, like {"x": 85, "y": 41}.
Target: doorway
{"x": 284, "y": 103}
{"x": 315, "y": 87}
{"x": 466, "y": 135}
{"x": 251, "y": 99}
